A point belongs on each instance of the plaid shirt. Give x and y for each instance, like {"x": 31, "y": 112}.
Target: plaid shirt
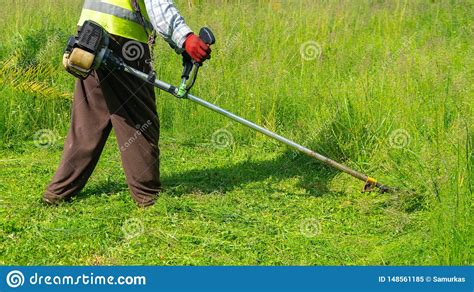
{"x": 168, "y": 22}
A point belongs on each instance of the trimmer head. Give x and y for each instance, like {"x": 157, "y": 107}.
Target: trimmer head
{"x": 372, "y": 184}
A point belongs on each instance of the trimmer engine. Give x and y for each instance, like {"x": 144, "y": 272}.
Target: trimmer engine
{"x": 86, "y": 51}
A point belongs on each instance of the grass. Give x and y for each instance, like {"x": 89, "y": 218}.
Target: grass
{"x": 220, "y": 207}
{"x": 389, "y": 93}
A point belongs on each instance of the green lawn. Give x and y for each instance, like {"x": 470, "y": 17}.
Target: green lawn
{"x": 245, "y": 205}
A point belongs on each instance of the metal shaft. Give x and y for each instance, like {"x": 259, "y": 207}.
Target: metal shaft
{"x": 173, "y": 90}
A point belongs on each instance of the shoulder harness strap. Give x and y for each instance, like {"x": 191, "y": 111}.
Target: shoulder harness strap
{"x": 151, "y": 37}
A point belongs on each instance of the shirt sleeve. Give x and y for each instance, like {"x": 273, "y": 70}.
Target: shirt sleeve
{"x": 168, "y": 23}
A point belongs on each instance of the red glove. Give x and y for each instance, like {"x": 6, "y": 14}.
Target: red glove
{"x": 196, "y": 48}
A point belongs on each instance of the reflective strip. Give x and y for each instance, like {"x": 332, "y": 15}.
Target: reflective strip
{"x": 114, "y": 10}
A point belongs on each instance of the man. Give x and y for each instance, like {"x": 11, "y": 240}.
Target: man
{"x": 114, "y": 99}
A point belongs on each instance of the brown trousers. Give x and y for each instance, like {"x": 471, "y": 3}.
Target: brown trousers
{"x": 106, "y": 100}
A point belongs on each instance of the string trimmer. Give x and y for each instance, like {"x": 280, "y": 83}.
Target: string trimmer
{"x": 89, "y": 51}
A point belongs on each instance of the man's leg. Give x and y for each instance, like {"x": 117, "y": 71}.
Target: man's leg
{"x": 133, "y": 114}
{"x": 90, "y": 127}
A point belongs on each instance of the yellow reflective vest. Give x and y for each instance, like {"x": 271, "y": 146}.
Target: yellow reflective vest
{"x": 117, "y": 17}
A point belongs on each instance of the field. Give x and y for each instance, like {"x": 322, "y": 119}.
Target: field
{"x": 385, "y": 87}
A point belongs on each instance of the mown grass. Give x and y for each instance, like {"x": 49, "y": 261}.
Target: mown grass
{"x": 390, "y": 94}
{"x": 219, "y": 207}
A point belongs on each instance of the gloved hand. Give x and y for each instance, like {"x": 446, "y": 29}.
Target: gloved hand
{"x": 196, "y": 48}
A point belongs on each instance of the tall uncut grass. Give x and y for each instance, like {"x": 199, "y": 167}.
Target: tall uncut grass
{"x": 389, "y": 92}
